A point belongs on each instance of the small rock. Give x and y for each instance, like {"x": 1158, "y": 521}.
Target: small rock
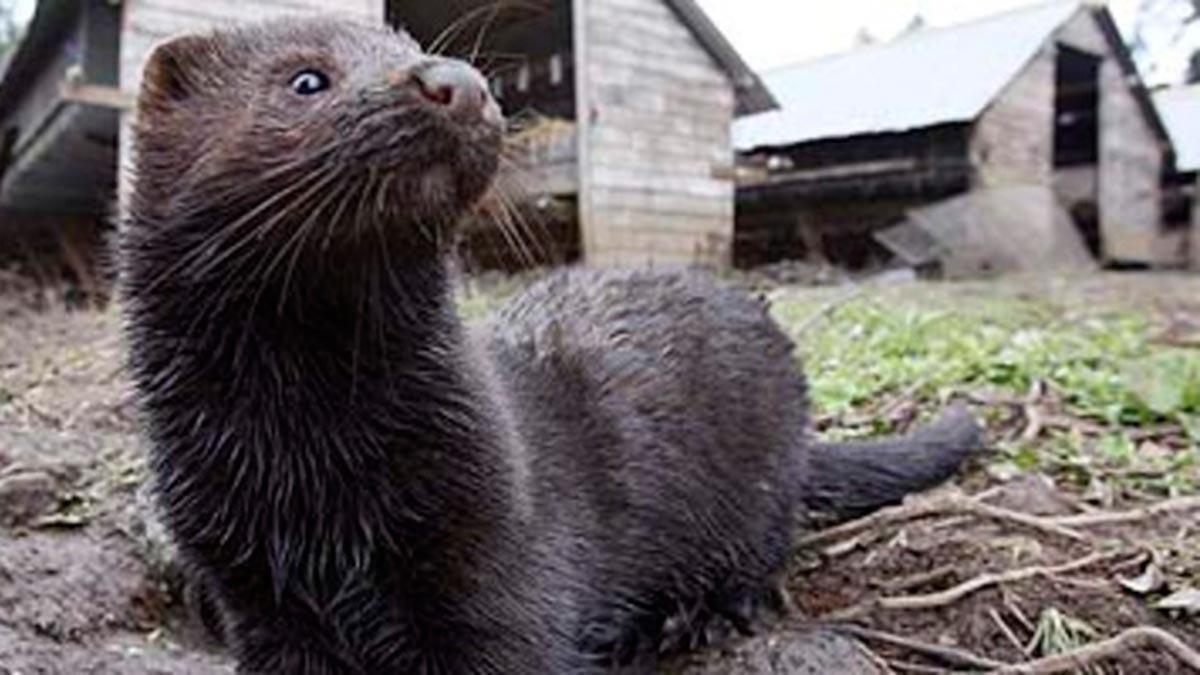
{"x": 26, "y": 496}
{"x": 791, "y": 652}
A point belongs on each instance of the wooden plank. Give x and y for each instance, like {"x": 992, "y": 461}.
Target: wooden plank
{"x": 97, "y": 95}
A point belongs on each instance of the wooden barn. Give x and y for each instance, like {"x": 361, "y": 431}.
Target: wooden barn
{"x": 1040, "y": 101}
{"x": 625, "y": 109}
{"x": 1180, "y": 110}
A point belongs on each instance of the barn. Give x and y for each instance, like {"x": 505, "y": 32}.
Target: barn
{"x": 626, "y": 108}
{"x": 1041, "y": 108}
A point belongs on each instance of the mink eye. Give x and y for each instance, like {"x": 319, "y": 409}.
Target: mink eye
{"x": 309, "y": 82}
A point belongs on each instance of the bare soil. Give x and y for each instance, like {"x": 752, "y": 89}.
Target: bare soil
{"x": 88, "y": 583}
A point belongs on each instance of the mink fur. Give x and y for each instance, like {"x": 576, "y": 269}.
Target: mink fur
{"x": 612, "y": 467}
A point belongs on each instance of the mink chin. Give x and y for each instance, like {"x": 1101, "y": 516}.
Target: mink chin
{"x": 610, "y": 470}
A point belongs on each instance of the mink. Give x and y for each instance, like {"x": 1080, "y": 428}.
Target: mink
{"x": 611, "y": 468}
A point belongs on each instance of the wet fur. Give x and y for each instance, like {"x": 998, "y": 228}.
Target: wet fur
{"x": 612, "y": 468}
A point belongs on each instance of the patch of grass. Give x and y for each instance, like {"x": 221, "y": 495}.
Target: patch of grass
{"x": 1058, "y": 633}
{"x": 1104, "y": 365}
{"x": 1099, "y": 368}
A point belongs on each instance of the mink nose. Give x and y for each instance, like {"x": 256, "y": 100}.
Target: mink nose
{"x": 458, "y": 88}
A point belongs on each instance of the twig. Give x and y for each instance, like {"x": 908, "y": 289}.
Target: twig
{"x": 948, "y": 655}
{"x": 1085, "y": 584}
{"x": 1138, "y": 562}
{"x": 1006, "y": 630}
{"x": 941, "y": 505}
{"x": 1134, "y": 638}
{"x": 1036, "y": 522}
{"x": 843, "y": 548}
{"x": 1134, "y": 515}
{"x": 908, "y": 511}
{"x": 1033, "y": 415}
{"x": 1015, "y": 610}
{"x": 905, "y": 667}
{"x": 920, "y": 579}
{"x": 881, "y": 663}
{"x": 1091, "y": 428}
{"x": 956, "y": 593}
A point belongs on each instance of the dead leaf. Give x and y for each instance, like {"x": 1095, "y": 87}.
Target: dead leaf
{"x": 1186, "y": 600}
{"x": 1149, "y": 581}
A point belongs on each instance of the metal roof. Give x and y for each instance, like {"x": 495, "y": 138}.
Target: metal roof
{"x": 933, "y": 76}
{"x": 1180, "y": 111}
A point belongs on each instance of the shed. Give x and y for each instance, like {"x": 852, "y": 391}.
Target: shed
{"x": 1042, "y": 96}
{"x": 645, "y": 176}
{"x": 1180, "y": 110}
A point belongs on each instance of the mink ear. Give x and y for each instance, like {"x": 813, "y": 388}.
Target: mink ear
{"x": 169, "y": 73}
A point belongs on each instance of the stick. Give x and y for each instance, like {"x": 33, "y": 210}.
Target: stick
{"x": 904, "y": 667}
{"x": 1036, "y": 522}
{"x": 1006, "y": 630}
{"x": 1134, "y": 638}
{"x": 1033, "y": 416}
{"x": 948, "y": 655}
{"x": 956, "y": 593}
{"x": 1120, "y": 517}
{"x": 953, "y": 503}
{"x": 920, "y": 579}
{"x": 910, "y": 511}
{"x": 884, "y": 667}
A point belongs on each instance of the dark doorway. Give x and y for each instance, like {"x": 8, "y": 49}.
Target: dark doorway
{"x": 1077, "y": 139}
{"x": 1076, "y": 108}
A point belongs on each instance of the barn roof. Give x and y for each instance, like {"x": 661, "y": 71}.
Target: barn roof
{"x": 933, "y": 76}
{"x": 752, "y": 95}
{"x": 1180, "y": 110}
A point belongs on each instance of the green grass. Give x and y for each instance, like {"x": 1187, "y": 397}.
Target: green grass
{"x": 1099, "y": 367}
{"x": 1105, "y": 367}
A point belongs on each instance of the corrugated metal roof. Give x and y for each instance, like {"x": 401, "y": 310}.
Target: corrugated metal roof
{"x": 1180, "y": 111}
{"x": 934, "y": 76}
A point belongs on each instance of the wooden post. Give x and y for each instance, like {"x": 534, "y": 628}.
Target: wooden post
{"x": 1195, "y": 234}
{"x": 583, "y": 128}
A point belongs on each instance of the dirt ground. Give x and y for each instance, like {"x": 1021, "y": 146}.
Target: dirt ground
{"x": 990, "y": 571}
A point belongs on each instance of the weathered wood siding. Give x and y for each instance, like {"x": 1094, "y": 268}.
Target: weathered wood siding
{"x": 146, "y": 22}
{"x": 1195, "y": 235}
{"x": 1131, "y": 158}
{"x": 61, "y": 158}
{"x": 656, "y": 172}
{"x": 1013, "y": 141}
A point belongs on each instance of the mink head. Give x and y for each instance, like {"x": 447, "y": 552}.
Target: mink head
{"x": 310, "y": 133}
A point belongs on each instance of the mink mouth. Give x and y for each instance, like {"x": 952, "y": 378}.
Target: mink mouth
{"x": 427, "y": 152}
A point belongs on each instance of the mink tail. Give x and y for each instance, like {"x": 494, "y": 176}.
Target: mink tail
{"x": 852, "y": 479}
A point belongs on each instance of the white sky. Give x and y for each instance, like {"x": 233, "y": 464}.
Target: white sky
{"x": 777, "y": 32}
{"x": 771, "y": 33}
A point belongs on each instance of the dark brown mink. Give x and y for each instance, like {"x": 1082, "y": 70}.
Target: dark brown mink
{"x": 612, "y": 468}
